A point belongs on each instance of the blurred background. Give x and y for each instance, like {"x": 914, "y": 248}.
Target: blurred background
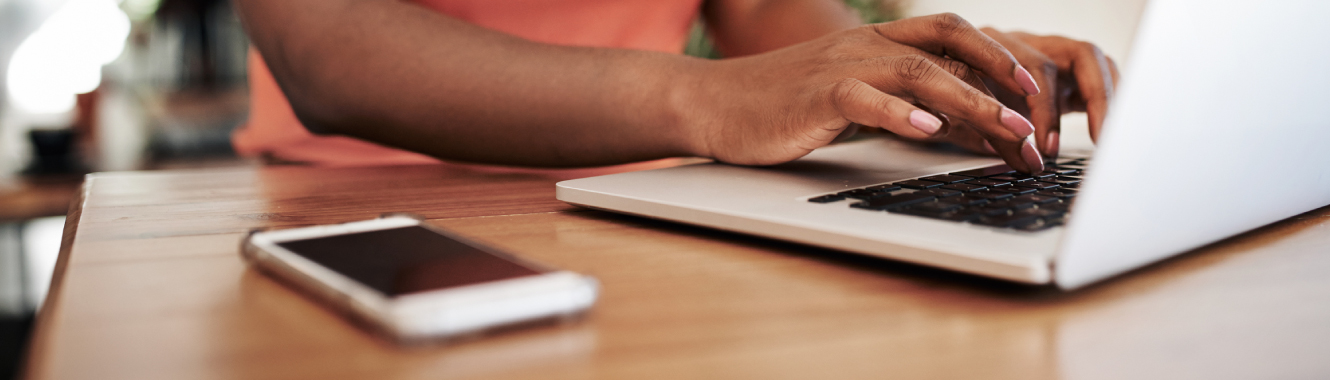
{"x": 108, "y": 85}
{"x": 101, "y": 85}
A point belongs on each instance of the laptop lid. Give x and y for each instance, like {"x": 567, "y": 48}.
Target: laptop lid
{"x": 1219, "y": 127}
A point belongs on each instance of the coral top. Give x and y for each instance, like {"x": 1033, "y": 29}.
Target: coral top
{"x": 658, "y": 25}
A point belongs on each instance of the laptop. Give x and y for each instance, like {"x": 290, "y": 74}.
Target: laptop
{"x": 1217, "y": 128}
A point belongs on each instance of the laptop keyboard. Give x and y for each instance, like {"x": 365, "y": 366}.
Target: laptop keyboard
{"x": 995, "y": 196}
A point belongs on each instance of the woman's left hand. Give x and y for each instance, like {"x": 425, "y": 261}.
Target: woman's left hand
{"x": 1072, "y": 76}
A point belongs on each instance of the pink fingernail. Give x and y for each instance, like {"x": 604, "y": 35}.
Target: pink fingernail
{"x": 925, "y": 122}
{"x": 1051, "y": 144}
{"x": 1026, "y": 81}
{"x": 1016, "y": 123}
{"x": 1033, "y": 161}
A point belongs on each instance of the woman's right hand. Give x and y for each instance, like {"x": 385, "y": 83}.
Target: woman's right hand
{"x": 778, "y": 106}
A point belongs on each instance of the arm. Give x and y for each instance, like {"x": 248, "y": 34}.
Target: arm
{"x": 400, "y": 75}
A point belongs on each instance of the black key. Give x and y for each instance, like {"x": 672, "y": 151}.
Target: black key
{"x": 959, "y": 216}
{"x": 861, "y": 194}
{"x": 1034, "y": 176}
{"x": 945, "y": 178}
{"x": 1014, "y": 190}
{"x": 994, "y": 209}
{"x": 1072, "y": 176}
{"x": 1056, "y": 206}
{"x": 936, "y": 207}
{"x": 1049, "y": 172}
{"x": 884, "y": 188}
{"x": 1035, "y": 198}
{"x": 1013, "y": 203}
{"x": 894, "y": 201}
{"x": 917, "y": 184}
{"x": 962, "y": 215}
{"x": 1060, "y": 180}
{"x": 955, "y": 216}
{"x": 963, "y": 187}
{"x": 986, "y": 172}
{"x": 1037, "y": 185}
{"x": 940, "y": 192}
{"x": 1072, "y": 185}
{"x": 1060, "y": 193}
{"x": 1011, "y": 178}
{"x": 1039, "y": 225}
{"x": 1062, "y": 170}
{"x": 826, "y": 198}
{"x": 990, "y": 195}
{"x": 969, "y": 200}
{"x": 1019, "y": 217}
{"x": 1056, "y": 220}
{"x": 989, "y": 182}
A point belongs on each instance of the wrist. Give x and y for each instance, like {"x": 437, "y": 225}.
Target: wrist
{"x": 691, "y": 104}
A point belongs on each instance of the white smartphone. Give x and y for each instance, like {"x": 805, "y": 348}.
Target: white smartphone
{"x": 415, "y": 283}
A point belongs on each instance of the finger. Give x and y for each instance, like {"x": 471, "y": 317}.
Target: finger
{"x": 930, "y": 85}
{"x": 860, "y": 103}
{"x": 958, "y": 69}
{"x": 1044, "y": 111}
{"x": 1094, "y": 79}
{"x": 966, "y": 137}
{"x": 949, "y": 35}
{"x": 1113, "y": 68}
{"x": 846, "y": 134}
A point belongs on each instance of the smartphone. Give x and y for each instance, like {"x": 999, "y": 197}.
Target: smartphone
{"x": 413, "y": 283}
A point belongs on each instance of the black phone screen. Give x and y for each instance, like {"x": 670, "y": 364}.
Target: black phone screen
{"x": 406, "y": 260}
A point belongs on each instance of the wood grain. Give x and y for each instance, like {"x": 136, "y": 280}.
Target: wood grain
{"x": 152, "y": 287}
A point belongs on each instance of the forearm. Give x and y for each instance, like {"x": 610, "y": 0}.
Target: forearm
{"x": 404, "y": 76}
{"x": 746, "y": 27}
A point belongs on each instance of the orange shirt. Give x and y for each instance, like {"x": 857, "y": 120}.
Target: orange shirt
{"x": 657, "y": 25}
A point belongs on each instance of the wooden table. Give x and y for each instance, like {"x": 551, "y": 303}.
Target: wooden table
{"x": 24, "y": 198}
{"x": 150, "y": 285}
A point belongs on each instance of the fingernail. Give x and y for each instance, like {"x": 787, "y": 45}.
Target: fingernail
{"x": 1051, "y": 144}
{"x": 1033, "y": 161}
{"x": 1026, "y": 81}
{"x": 925, "y": 122}
{"x": 1016, "y": 123}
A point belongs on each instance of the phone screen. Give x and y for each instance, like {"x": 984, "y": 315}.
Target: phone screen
{"x": 406, "y": 260}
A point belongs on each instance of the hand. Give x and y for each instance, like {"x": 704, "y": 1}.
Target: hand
{"x": 779, "y": 106}
{"x": 1074, "y": 76}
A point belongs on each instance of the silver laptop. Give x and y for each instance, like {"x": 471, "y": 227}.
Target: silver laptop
{"x": 1220, "y": 126}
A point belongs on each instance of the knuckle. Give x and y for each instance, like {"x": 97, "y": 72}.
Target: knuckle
{"x": 958, "y": 69}
{"x": 844, "y": 92}
{"x": 843, "y": 95}
{"x": 976, "y": 100}
{"x": 1091, "y": 48}
{"x": 913, "y": 68}
{"x": 955, "y": 68}
{"x": 947, "y": 24}
{"x": 1048, "y": 67}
